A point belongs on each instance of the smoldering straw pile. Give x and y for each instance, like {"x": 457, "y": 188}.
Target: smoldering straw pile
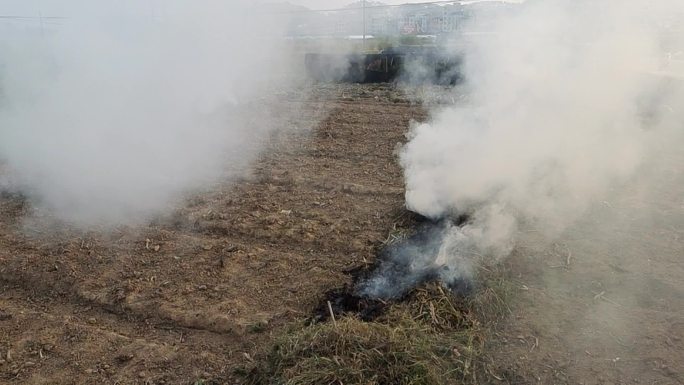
{"x": 565, "y": 105}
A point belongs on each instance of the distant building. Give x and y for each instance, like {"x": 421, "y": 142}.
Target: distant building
{"x": 383, "y": 20}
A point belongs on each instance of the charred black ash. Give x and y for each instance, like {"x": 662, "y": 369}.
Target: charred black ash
{"x": 344, "y": 301}
{"x": 400, "y": 268}
{"x": 411, "y": 262}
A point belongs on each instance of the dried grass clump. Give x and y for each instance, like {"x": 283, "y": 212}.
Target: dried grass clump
{"x": 435, "y": 306}
{"x": 429, "y": 339}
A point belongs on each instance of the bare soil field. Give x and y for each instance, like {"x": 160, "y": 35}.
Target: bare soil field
{"x": 194, "y": 296}
{"x": 190, "y": 296}
{"x": 604, "y": 303}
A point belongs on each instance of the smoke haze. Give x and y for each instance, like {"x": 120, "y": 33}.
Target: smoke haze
{"x": 120, "y": 110}
{"x": 566, "y": 102}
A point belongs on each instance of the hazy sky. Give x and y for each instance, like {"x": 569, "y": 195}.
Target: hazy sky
{"x": 53, "y": 8}
{"x": 30, "y": 7}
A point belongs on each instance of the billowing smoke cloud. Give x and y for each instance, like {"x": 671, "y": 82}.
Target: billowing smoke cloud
{"x": 565, "y": 101}
{"x": 125, "y": 106}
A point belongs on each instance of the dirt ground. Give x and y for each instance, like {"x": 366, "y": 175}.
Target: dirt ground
{"x": 194, "y": 294}
{"x": 604, "y": 303}
{"x": 189, "y": 296}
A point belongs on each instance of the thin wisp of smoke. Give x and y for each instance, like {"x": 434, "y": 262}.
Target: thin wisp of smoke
{"x": 123, "y": 108}
{"x": 565, "y": 102}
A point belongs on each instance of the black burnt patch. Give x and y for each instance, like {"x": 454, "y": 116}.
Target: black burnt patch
{"x": 399, "y": 273}
{"x": 344, "y": 302}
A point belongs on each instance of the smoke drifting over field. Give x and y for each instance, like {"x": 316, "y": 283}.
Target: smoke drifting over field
{"x": 125, "y": 106}
{"x": 562, "y": 107}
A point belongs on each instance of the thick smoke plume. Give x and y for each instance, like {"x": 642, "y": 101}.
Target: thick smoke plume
{"x": 123, "y": 107}
{"x": 566, "y": 100}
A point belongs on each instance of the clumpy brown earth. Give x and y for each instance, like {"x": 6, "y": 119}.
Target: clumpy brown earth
{"x": 193, "y": 296}
{"x": 189, "y": 297}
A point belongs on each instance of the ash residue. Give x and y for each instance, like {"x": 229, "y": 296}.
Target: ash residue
{"x": 344, "y": 301}
{"x": 413, "y": 261}
{"x": 402, "y": 267}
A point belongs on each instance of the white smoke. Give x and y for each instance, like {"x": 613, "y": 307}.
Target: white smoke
{"x": 125, "y": 106}
{"x": 565, "y": 102}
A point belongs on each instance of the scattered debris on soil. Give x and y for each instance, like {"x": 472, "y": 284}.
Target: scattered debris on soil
{"x": 223, "y": 290}
{"x": 188, "y": 297}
